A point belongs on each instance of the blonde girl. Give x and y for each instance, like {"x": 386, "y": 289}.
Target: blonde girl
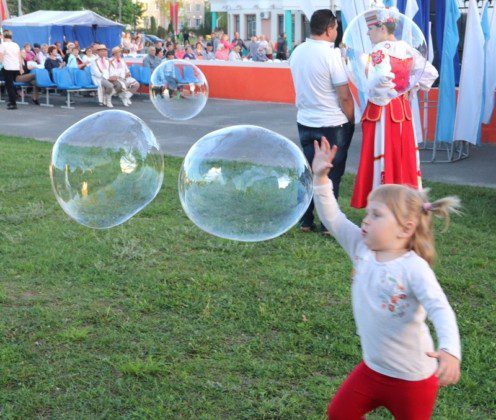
{"x": 394, "y": 290}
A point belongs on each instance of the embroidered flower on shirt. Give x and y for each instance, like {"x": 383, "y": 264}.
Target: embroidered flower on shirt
{"x": 377, "y": 57}
{"x": 393, "y": 296}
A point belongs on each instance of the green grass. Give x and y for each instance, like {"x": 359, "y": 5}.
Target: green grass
{"x": 155, "y": 318}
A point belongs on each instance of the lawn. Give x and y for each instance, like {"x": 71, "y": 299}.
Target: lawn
{"x": 157, "y": 319}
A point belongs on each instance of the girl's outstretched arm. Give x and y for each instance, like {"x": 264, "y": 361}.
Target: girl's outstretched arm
{"x": 346, "y": 233}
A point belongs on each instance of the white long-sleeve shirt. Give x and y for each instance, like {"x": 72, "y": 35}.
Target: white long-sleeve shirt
{"x": 391, "y": 301}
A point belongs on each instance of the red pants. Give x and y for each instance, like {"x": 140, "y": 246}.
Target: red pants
{"x": 365, "y": 390}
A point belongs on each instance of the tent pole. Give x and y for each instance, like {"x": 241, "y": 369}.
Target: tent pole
{"x": 19, "y": 6}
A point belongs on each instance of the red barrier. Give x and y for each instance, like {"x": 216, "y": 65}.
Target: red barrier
{"x": 272, "y": 82}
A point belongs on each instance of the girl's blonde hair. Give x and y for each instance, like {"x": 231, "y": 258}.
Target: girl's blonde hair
{"x": 408, "y": 204}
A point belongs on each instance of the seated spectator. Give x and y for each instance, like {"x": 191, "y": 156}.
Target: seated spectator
{"x": 30, "y": 55}
{"x": 88, "y": 56}
{"x": 44, "y": 51}
{"x": 67, "y": 50}
{"x": 119, "y": 75}
{"x": 263, "y": 43}
{"x": 169, "y": 55}
{"x": 209, "y": 54}
{"x": 169, "y": 46}
{"x": 189, "y": 55}
{"x": 100, "y": 73}
{"x": 53, "y": 61}
{"x": 151, "y": 60}
{"x": 38, "y": 54}
{"x": 235, "y": 55}
{"x": 126, "y": 40}
{"x": 269, "y": 51}
{"x": 225, "y": 41}
{"x": 27, "y": 77}
{"x": 260, "y": 55}
{"x": 222, "y": 53}
{"x": 180, "y": 52}
{"x": 60, "y": 53}
{"x": 199, "y": 51}
{"x": 238, "y": 41}
{"x": 135, "y": 46}
{"x": 201, "y": 40}
{"x": 74, "y": 61}
{"x": 253, "y": 47}
{"x": 160, "y": 54}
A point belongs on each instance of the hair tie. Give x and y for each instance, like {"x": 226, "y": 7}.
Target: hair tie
{"x": 426, "y": 207}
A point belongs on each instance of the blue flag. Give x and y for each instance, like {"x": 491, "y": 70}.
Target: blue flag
{"x": 487, "y": 34}
{"x": 446, "y": 107}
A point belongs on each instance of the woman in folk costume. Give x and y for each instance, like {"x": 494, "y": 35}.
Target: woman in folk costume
{"x": 389, "y": 147}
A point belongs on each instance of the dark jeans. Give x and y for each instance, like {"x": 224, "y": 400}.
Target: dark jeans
{"x": 339, "y": 135}
{"x": 10, "y": 76}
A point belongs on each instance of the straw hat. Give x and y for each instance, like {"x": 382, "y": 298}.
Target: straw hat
{"x": 102, "y": 47}
{"x": 116, "y": 50}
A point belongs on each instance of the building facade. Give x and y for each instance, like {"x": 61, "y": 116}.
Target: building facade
{"x": 193, "y": 13}
{"x": 267, "y": 17}
{"x": 153, "y": 9}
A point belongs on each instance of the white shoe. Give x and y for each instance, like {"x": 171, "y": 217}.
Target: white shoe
{"x": 109, "y": 103}
{"x": 123, "y": 99}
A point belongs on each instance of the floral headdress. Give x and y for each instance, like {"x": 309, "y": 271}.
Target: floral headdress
{"x": 381, "y": 15}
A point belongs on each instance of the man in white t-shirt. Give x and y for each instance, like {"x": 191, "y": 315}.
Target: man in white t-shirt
{"x": 10, "y": 57}
{"x": 323, "y": 98}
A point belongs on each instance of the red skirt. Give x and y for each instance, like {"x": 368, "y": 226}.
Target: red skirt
{"x": 389, "y": 149}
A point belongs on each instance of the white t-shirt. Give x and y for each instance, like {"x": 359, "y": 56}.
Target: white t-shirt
{"x": 317, "y": 69}
{"x": 11, "y": 53}
{"x": 391, "y": 301}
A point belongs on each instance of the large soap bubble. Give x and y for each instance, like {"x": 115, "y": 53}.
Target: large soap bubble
{"x": 385, "y": 55}
{"x": 106, "y": 168}
{"x": 245, "y": 183}
{"x": 178, "y": 89}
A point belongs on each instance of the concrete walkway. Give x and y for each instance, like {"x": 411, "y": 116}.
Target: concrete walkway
{"x": 176, "y": 137}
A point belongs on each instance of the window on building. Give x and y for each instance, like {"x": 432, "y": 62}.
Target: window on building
{"x": 157, "y": 6}
{"x": 251, "y": 25}
{"x": 198, "y": 23}
{"x": 198, "y": 7}
{"x": 305, "y": 28}
{"x": 281, "y": 27}
{"x": 280, "y": 24}
{"x": 236, "y": 24}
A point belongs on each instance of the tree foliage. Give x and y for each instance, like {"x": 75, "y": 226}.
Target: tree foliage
{"x": 131, "y": 12}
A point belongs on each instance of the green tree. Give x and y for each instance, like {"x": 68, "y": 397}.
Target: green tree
{"x": 153, "y": 26}
{"x": 131, "y": 12}
{"x": 161, "y": 32}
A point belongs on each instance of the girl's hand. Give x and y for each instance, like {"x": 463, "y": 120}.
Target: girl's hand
{"x": 448, "y": 371}
{"x": 322, "y": 160}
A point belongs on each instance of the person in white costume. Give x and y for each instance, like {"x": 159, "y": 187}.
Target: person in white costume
{"x": 120, "y": 77}
{"x": 100, "y": 73}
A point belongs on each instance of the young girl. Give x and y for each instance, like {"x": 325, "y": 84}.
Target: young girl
{"x": 393, "y": 291}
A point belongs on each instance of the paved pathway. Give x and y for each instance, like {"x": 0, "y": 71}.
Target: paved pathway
{"x": 176, "y": 137}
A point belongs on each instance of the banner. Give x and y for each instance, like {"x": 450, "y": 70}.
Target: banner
{"x": 174, "y": 17}
{"x": 446, "y": 108}
{"x": 468, "y": 112}
{"x": 4, "y": 10}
